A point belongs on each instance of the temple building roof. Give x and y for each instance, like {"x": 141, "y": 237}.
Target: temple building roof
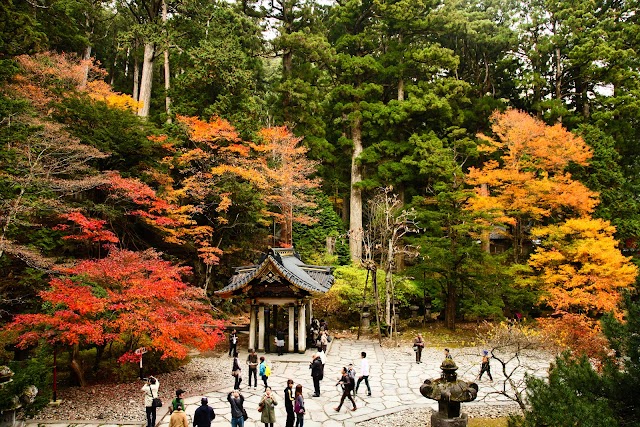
{"x": 279, "y": 271}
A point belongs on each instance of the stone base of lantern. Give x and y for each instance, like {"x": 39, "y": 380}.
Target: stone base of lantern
{"x": 438, "y": 420}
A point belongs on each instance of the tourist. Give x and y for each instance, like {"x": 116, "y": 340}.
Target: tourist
{"x": 289, "y": 399}
{"x": 233, "y": 342}
{"x": 150, "y": 390}
{"x": 485, "y": 367}
{"x": 351, "y": 372}
{"x": 178, "y": 400}
{"x": 447, "y": 354}
{"x": 322, "y": 355}
{"x": 204, "y": 414}
{"x": 347, "y": 385}
{"x": 298, "y": 407}
{"x": 179, "y": 417}
{"x": 268, "y": 404}
{"x": 280, "y": 342}
{"x": 364, "y": 373}
{"x": 236, "y": 372}
{"x": 418, "y": 345}
{"x": 263, "y": 371}
{"x": 317, "y": 373}
{"x": 324, "y": 341}
{"x": 236, "y": 401}
{"x": 252, "y": 361}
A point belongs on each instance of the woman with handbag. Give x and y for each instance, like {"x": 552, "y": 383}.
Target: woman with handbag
{"x": 267, "y": 407}
{"x": 418, "y": 345}
{"x": 298, "y": 407}
{"x": 150, "y": 390}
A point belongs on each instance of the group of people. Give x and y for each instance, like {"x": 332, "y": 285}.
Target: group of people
{"x": 485, "y": 366}
{"x": 256, "y": 365}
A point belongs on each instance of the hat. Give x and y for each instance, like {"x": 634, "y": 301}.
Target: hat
{"x": 179, "y": 392}
{"x": 204, "y": 400}
{"x": 485, "y": 352}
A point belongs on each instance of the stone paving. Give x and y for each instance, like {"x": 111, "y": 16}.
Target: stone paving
{"x": 395, "y": 379}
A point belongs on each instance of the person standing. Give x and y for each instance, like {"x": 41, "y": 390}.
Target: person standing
{"x": 236, "y": 372}
{"x": 204, "y": 414}
{"x": 179, "y": 400}
{"x": 280, "y": 341}
{"x": 150, "y": 390}
{"x": 298, "y": 407}
{"x": 236, "y": 401}
{"x": 322, "y": 355}
{"x": 324, "y": 341}
{"x": 289, "y": 399}
{"x": 233, "y": 342}
{"x": 364, "y": 373}
{"x": 263, "y": 371}
{"x": 347, "y": 386}
{"x": 485, "y": 367}
{"x": 179, "y": 417}
{"x": 317, "y": 373}
{"x": 418, "y": 345}
{"x": 252, "y": 361}
{"x": 447, "y": 354}
{"x": 268, "y": 404}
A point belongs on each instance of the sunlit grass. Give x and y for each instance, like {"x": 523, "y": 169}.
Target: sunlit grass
{"x": 488, "y": 422}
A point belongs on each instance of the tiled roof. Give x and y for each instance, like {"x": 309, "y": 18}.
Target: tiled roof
{"x": 314, "y": 279}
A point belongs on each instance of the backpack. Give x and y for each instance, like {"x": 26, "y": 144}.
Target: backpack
{"x": 267, "y": 370}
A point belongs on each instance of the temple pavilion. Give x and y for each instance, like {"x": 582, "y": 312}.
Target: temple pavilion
{"x": 281, "y": 289}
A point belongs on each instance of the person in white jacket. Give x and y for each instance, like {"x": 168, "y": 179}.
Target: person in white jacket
{"x": 364, "y": 373}
{"x": 150, "y": 390}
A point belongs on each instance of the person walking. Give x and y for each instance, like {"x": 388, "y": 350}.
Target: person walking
{"x": 298, "y": 407}
{"x": 418, "y": 345}
{"x": 268, "y": 403}
{"x": 150, "y": 390}
{"x": 347, "y": 385}
{"x": 233, "y": 342}
{"x": 263, "y": 368}
{"x": 179, "y": 417}
{"x": 317, "y": 373}
{"x": 289, "y": 399}
{"x": 236, "y": 372}
{"x": 236, "y": 401}
{"x": 252, "y": 362}
{"x": 204, "y": 414}
{"x": 324, "y": 341}
{"x": 485, "y": 367}
{"x": 364, "y": 374}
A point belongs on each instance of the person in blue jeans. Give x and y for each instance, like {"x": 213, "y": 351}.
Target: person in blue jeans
{"x": 236, "y": 401}
{"x": 262, "y": 371}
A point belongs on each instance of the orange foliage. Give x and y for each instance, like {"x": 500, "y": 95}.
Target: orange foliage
{"x": 578, "y": 333}
{"x": 579, "y": 266}
{"x": 530, "y": 177}
{"x": 216, "y": 129}
{"x": 123, "y": 296}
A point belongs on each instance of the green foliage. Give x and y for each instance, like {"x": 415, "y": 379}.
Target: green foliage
{"x": 577, "y": 394}
{"x": 311, "y": 240}
{"x": 35, "y": 371}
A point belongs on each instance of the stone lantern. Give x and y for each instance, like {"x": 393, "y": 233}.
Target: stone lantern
{"x": 28, "y": 395}
{"x": 450, "y": 392}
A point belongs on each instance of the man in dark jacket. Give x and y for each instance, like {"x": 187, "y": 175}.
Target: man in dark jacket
{"x": 317, "y": 373}
{"x": 236, "y": 401}
{"x": 204, "y": 414}
{"x": 289, "y": 398}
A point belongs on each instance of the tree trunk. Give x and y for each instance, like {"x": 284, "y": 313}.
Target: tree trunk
{"x": 167, "y": 73}
{"x": 355, "y": 205}
{"x": 401, "y": 90}
{"x": 86, "y": 57}
{"x": 136, "y": 75}
{"x": 486, "y": 234}
{"x": 76, "y": 367}
{"x": 450, "y": 309}
{"x": 388, "y": 282}
{"x": 147, "y": 80}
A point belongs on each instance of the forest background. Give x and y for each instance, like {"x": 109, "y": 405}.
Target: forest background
{"x": 483, "y": 156}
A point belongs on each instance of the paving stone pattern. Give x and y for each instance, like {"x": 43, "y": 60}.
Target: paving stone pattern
{"x": 395, "y": 379}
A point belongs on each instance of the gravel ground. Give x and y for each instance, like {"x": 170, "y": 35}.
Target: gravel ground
{"x": 124, "y": 402}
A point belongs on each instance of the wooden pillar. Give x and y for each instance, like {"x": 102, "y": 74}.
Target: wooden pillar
{"x": 292, "y": 329}
{"x": 302, "y": 329}
{"x": 261, "y": 329}
{"x": 252, "y": 328}
{"x": 309, "y": 312}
